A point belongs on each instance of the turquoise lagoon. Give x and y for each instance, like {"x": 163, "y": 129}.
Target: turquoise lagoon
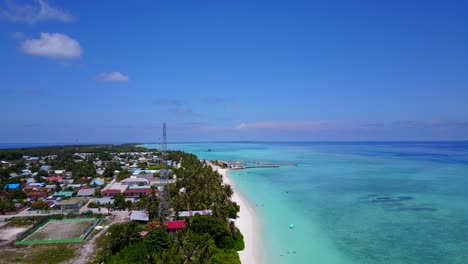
{"x": 394, "y": 202}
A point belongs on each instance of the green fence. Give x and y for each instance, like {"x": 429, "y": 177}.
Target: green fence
{"x": 43, "y": 222}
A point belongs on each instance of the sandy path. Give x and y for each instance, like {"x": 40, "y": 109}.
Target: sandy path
{"x": 84, "y": 253}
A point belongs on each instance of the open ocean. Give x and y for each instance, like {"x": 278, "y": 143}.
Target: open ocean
{"x": 400, "y": 202}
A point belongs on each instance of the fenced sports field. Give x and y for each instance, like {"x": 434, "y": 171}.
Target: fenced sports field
{"x": 66, "y": 230}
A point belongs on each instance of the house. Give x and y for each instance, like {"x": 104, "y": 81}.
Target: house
{"x": 36, "y": 195}
{"x": 140, "y": 171}
{"x": 37, "y": 184}
{"x": 139, "y": 216}
{"x": 45, "y": 168}
{"x": 110, "y": 193}
{"x": 171, "y": 226}
{"x": 63, "y": 194}
{"x": 54, "y": 178}
{"x": 26, "y": 172}
{"x": 50, "y": 187}
{"x": 133, "y": 187}
{"x": 104, "y": 200}
{"x": 135, "y": 193}
{"x": 6, "y": 164}
{"x": 174, "y": 226}
{"x": 73, "y": 203}
{"x": 96, "y": 182}
{"x": 12, "y": 186}
{"x": 86, "y": 192}
{"x": 192, "y": 213}
{"x": 134, "y": 181}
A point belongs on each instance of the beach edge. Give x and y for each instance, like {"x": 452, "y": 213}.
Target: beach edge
{"x": 247, "y": 222}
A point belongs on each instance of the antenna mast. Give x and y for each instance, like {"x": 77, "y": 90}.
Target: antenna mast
{"x": 165, "y": 198}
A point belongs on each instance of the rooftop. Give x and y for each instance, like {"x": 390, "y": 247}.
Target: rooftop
{"x": 110, "y": 191}
{"x": 192, "y": 213}
{"x": 71, "y": 201}
{"x": 139, "y": 216}
{"x": 12, "y": 186}
{"x": 86, "y": 192}
{"x": 66, "y": 194}
{"x": 175, "y": 224}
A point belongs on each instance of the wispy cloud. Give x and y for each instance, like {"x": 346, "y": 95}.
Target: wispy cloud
{"x": 53, "y": 46}
{"x": 112, "y": 77}
{"x": 190, "y": 127}
{"x": 221, "y": 101}
{"x": 32, "y": 125}
{"x": 175, "y": 106}
{"x": 182, "y": 111}
{"x": 168, "y": 102}
{"x": 215, "y": 100}
{"x": 432, "y": 124}
{"x": 289, "y": 126}
{"x": 33, "y": 92}
{"x": 38, "y": 11}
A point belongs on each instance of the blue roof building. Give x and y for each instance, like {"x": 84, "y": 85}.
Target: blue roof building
{"x": 46, "y": 168}
{"x": 12, "y": 186}
{"x": 96, "y": 182}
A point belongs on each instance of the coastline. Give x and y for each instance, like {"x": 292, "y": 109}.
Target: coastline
{"x": 247, "y": 222}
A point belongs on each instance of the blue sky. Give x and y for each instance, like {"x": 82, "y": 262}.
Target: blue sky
{"x": 113, "y": 71}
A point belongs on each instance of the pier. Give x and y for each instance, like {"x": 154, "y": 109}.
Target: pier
{"x": 241, "y": 165}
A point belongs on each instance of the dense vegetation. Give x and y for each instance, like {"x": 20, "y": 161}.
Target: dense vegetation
{"x": 205, "y": 239}
{"x": 16, "y": 154}
{"x": 199, "y": 187}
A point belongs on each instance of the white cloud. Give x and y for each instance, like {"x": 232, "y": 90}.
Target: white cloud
{"x": 52, "y": 45}
{"x": 112, "y": 77}
{"x": 39, "y": 11}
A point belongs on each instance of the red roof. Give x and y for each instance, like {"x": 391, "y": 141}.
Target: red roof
{"x": 110, "y": 191}
{"x": 54, "y": 178}
{"x": 32, "y": 187}
{"x": 175, "y": 224}
{"x": 34, "y": 194}
{"x": 145, "y": 190}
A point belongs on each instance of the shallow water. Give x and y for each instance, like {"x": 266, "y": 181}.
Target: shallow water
{"x": 355, "y": 202}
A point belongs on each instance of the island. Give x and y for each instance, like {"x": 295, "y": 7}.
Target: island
{"x": 115, "y": 204}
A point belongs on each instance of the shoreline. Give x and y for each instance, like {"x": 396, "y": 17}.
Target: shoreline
{"x": 247, "y": 222}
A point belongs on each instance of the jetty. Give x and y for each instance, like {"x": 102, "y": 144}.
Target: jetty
{"x": 254, "y": 164}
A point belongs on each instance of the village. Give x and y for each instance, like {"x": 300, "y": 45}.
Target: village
{"x": 89, "y": 191}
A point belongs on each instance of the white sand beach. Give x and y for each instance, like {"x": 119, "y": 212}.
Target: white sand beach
{"x": 248, "y": 224}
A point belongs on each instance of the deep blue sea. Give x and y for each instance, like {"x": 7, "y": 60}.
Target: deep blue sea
{"x": 400, "y": 202}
